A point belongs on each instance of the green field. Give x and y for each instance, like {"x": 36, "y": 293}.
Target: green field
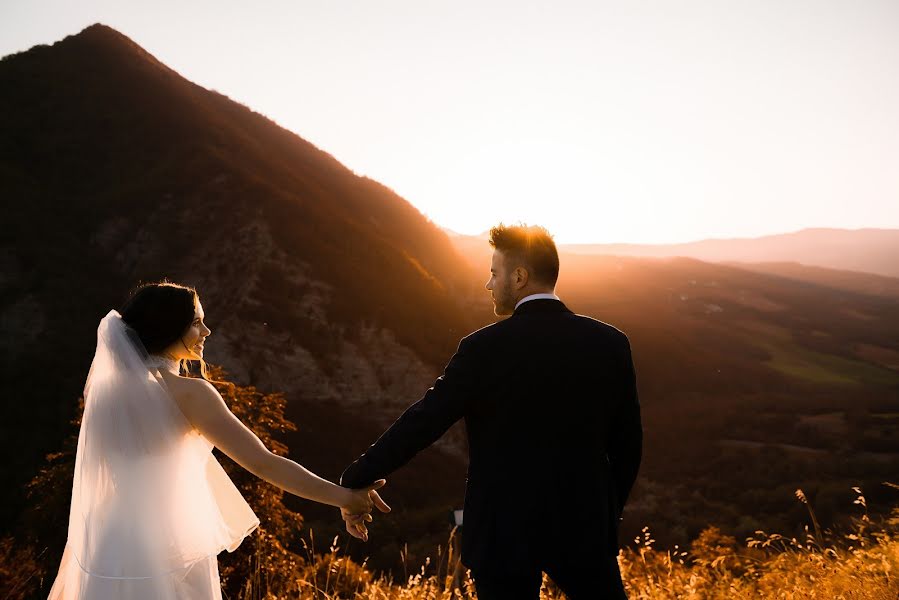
{"x": 790, "y": 358}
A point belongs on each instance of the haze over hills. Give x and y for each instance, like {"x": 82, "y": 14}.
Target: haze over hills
{"x": 875, "y": 248}
{"x": 875, "y": 285}
{"x": 866, "y": 250}
{"x": 331, "y": 288}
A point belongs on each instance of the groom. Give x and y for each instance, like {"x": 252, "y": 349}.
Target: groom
{"x": 550, "y": 405}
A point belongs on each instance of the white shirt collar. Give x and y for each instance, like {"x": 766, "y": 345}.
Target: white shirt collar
{"x": 536, "y": 297}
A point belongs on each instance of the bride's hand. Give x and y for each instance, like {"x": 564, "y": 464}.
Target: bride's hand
{"x": 357, "y": 511}
{"x": 355, "y": 524}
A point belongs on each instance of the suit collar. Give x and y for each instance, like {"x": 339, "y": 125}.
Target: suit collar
{"x": 541, "y": 306}
{"x": 539, "y": 296}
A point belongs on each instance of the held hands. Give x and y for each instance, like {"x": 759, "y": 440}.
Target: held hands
{"x": 357, "y": 512}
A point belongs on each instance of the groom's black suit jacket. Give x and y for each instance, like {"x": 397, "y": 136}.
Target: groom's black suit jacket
{"x": 550, "y": 405}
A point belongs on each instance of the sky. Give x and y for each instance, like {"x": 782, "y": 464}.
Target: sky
{"x": 640, "y": 121}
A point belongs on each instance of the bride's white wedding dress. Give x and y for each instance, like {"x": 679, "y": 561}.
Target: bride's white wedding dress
{"x": 151, "y": 506}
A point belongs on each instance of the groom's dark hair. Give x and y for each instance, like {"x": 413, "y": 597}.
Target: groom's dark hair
{"x": 531, "y": 246}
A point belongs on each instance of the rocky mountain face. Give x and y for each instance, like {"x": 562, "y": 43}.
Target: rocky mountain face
{"x": 115, "y": 170}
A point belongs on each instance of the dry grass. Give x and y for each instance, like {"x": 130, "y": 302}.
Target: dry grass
{"x": 860, "y": 564}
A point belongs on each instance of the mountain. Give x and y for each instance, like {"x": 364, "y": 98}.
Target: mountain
{"x": 852, "y": 281}
{"x": 316, "y": 282}
{"x": 866, "y": 250}
{"x": 334, "y": 290}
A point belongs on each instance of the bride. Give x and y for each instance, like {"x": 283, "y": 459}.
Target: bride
{"x": 151, "y": 506}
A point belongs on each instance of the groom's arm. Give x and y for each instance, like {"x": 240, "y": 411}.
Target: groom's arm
{"x": 626, "y": 443}
{"x": 420, "y": 426}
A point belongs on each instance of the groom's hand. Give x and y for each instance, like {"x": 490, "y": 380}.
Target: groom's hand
{"x": 376, "y": 497}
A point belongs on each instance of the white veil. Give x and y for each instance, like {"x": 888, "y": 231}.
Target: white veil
{"x": 148, "y": 498}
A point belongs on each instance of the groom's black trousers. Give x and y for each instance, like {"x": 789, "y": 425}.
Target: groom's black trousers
{"x": 595, "y": 578}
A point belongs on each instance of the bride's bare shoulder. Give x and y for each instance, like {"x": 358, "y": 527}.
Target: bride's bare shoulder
{"x": 191, "y": 388}
{"x": 198, "y": 399}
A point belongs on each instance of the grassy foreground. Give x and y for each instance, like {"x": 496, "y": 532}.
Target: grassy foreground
{"x": 862, "y": 563}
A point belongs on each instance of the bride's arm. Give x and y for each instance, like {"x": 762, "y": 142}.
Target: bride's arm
{"x": 206, "y": 410}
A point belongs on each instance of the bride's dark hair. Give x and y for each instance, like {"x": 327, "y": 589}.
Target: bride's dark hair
{"x": 160, "y": 313}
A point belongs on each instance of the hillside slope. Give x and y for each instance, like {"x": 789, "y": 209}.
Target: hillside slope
{"x": 115, "y": 170}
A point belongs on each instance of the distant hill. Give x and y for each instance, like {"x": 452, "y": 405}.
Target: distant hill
{"x": 331, "y": 288}
{"x": 867, "y": 250}
{"x": 875, "y": 285}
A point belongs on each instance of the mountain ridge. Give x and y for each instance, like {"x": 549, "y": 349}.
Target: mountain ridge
{"x": 871, "y": 250}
